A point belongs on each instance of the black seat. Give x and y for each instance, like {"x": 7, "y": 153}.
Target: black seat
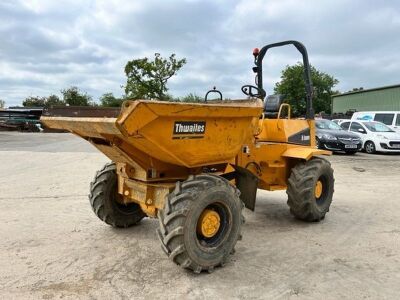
{"x": 272, "y": 104}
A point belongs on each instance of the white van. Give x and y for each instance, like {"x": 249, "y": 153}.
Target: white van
{"x": 389, "y": 118}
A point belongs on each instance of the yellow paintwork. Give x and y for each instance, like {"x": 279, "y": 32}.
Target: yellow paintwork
{"x": 227, "y": 127}
{"x": 288, "y": 110}
{"x": 147, "y": 127}
{"x": 318, "y": 189}
{"x": 84, "y": 127}
{"x": 209, "y": 223}
{"x": 279, "y": 130}
{"x": 151, "y": 157}
{"x": 272, "y": 162}
{"x": 302, "y": 152}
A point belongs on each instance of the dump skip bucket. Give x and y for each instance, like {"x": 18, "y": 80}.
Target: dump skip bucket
{"x": 183, "y": 134}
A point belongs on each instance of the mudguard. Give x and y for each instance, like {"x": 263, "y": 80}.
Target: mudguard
{"x": 304, "y": 152}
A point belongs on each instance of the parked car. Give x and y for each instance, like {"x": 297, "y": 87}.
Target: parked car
{"x": 389, "y": 118}
{"x": 339, "y": 121}
{"x": 375, "y": 136}
{"x": 331, "y": 136}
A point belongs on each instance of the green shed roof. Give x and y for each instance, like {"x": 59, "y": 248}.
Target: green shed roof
{"x": 385, "y": 98}
{"x": 367, "y": 90}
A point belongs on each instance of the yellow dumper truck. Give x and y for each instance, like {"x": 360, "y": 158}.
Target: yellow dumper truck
{"x": 195, "y": 166}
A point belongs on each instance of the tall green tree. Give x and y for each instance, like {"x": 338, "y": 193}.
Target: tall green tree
{"x": 109, "y": 100}
{"x": 147, "y": 79}
{"x": 74, "y": 97}
{"x": 292, "y": 85}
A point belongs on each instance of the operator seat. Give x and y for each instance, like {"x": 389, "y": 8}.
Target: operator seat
{"x": 272, "y": 104}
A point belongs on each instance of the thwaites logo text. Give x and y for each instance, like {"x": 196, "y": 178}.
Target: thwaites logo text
{"x": 189, "y": 128}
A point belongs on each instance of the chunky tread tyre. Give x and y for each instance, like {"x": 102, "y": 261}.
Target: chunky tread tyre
{"x": 103, "y": 191}
{"x": 180, "y": 215}
{"x": 301, "y": 189}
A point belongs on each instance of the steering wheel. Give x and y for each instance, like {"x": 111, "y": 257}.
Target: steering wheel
{"x": 248, "y": 90}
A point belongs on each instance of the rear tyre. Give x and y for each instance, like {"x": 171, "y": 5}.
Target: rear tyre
{"x": 310, "y": 189}
{"x": 201, "y": 222}
{"x": 103, "y": 199}
{"x": 370, "y": 147}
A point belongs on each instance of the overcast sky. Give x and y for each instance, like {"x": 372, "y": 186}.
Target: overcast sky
{"x": 48, "y": 45}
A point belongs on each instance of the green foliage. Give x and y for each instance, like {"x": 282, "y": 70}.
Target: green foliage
{"x": 34, "y": 101}
{"x": 71, "y": 96}
{"x": 109, "y": 100}
{"x": 193, "y": 98}
{"x": 147, "y": 79}
{"x": 51, "y": 100}
{"x": 54, "y": 100}
{"x": 2, "y": 103}
{"x": 292, "y": 85}
{"x": 74, "y": 97}
{"x": 356, "y": 89}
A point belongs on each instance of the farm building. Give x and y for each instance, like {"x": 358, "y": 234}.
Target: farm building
{"x": 385, "y": 98}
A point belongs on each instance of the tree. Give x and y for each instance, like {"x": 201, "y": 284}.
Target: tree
{"x": 54, "y": 100}
{"x": 34, "y": 101}
{"x": 356, "y": 89}
{"x": 74, "y": 97}
{"x": 147, "y": 79}
{"x": 108, "y": 100}
{"x": 37, "y": 101}
{"x": 2, "y": 103}
{"x": 292, "y": 85}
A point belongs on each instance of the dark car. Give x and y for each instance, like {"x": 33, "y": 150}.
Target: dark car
{"x": 331, "y": 136}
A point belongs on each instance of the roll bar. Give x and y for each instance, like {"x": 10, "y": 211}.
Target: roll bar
{"x": 214, "y": 90}
{"x": 258, "y": 58}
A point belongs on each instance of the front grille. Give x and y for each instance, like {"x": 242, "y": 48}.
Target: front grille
{"x": 394, "y": 143}
{"x": 349, "y": 140}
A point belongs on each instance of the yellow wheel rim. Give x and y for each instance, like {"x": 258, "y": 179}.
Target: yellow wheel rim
{"x": 318, "y": 189}
{"x": 209, "y": 223}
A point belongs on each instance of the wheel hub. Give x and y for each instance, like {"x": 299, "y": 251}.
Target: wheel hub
{"x": 318, "y": 189}
{"x": 209, "y": 223}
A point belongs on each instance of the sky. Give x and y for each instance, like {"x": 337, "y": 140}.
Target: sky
{"x": 49, "y": 45}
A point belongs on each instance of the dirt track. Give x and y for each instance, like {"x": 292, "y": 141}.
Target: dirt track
{"x": 53, "y": 246}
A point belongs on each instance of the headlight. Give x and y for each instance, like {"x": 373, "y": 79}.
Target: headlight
{"x": 329, "y": 137}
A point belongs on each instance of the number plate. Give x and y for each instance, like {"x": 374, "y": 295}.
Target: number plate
{"x": 351, "y": 146}
{"x": 396, "y": 146}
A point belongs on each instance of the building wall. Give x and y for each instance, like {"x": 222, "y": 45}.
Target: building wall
{"x": 377, "y": 100}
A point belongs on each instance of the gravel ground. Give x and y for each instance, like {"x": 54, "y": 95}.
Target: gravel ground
{"x": 52, "y": 246}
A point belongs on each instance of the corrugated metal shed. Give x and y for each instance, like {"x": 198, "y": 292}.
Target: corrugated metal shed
{"x": 377, "y": 99}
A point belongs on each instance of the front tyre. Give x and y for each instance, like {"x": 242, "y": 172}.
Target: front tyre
{"x": 104, "y": 200}
{"x": 370, "y": 147}
{"x": 310, "y": 189}
{"x": 201, "y": 222}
